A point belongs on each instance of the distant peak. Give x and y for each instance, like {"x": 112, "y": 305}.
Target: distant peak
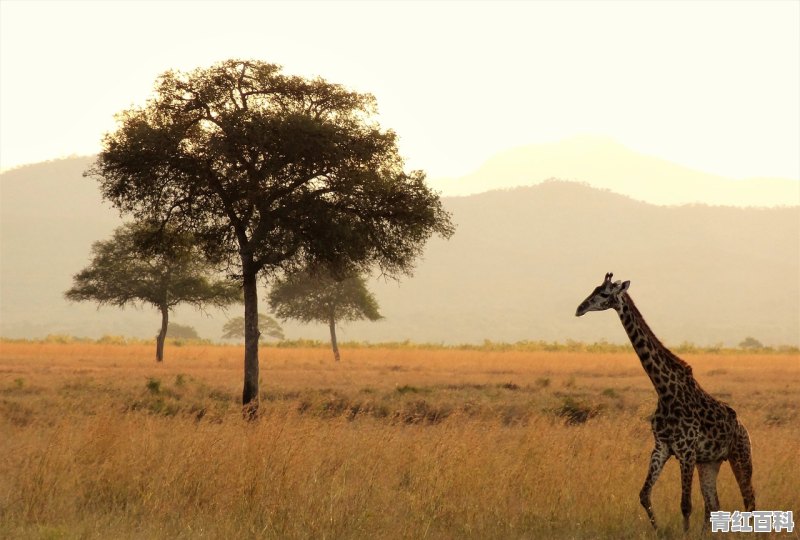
{"x": 591, "y": 141}
{"x": 605, "y": 163}
{"x": 570, "y": 147}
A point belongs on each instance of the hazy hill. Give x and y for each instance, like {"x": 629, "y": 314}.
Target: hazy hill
{"x": 49, "y": 217}
{"x": 523, "y": 259}
{"x": 603, "y": 163}
{"x": 518, "y": 266}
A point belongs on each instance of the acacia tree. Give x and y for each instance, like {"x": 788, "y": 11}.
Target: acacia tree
{"x": 267, "y": 326}
{"x": 276, "y": 171}
{"x": 321, "y": 297}
{"x": 751, "y": 343}
{"x": 181, "y": 331}
{"x": 144, "y": 264}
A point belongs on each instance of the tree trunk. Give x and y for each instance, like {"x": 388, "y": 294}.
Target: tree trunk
{"x": 332, "y": 325}
{"x": 162, "y": 334}
{"x": 251, "y": 335}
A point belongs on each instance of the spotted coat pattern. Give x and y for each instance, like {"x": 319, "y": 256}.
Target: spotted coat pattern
{"x": 690, "y": 424}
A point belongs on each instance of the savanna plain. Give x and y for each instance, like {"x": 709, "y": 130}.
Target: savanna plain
{"x": 99, "y": 441}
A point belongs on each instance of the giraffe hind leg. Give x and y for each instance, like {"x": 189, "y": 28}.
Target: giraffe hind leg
{"x": 658, "y": 458}
{"x": 708, "y": 485}
{"x": 687, "y": 474}
{"x": 741, "y": 462}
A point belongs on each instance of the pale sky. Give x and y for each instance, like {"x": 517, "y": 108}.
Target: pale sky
{"x": 711, "y": 85}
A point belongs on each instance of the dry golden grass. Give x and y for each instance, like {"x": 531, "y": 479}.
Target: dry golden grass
{"x": 97, "y": 441}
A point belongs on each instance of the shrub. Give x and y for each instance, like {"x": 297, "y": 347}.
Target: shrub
{"x": 153, "y": 385}
{"x": 112, "y": 340}
{"x": 575, "y": 412}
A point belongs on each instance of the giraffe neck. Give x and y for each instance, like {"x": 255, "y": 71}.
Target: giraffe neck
{"x": 666, "y": 371}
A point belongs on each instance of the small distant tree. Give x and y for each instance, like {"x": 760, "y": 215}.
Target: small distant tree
{"x": 751, "y": 343}
{"x": 267, "y": 326}
{"x": 181, "y": 331}
{"x": 320, "y": 297}
{"x": 159, "y": 266}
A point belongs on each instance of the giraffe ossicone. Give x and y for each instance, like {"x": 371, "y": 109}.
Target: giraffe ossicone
{"x": 690, "y": 424}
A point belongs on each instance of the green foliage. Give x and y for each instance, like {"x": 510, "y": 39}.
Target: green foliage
{"x": 319, "y": 297}
{"x": 686, "y": 347}
{"x": 153, "y": 385}
{"x": 575, "y": 412}
{"x": 301, "y": 344}
{"x": 60, "y": 338}
{"x": 242, "y": 155}
{"x": 610, "y": 392}
{"x": 269, "y": 327}
{"x": 751, "y": 343}
{"x": 143, "y": 263}
{"x": 112, "y": 340}
{"x": 180, "y": 331}
{"x": 406, "y": 389}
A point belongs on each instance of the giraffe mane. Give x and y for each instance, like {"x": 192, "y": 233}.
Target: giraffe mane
{"x": 685, "y": 367}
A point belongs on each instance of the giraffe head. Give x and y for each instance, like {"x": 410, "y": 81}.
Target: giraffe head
{"x": 604, "y": 297}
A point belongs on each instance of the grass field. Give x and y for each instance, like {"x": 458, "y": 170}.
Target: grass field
{"x": 98, "y": 441}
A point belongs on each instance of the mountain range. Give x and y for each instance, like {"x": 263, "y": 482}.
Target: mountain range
{"x": 603, "y": 163}
{"x": 520, "y": 262}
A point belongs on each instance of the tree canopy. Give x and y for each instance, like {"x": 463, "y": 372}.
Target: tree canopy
{"x": 145, "y": 264}
{"x": 751, "y": 343}
{"x": 267, "y": 327}
{"x": 321, "y": 297}
{"x": 273, "y": 172}
{"x": 181, "y": 331}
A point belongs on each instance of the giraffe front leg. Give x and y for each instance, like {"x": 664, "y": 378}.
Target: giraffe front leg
{"x": 658, "y": 458}
{"x": 687, "y": 474}
{"x": 708, "y": 485}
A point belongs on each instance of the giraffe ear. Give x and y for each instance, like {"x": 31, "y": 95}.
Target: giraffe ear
{"x": 624, "y": 286}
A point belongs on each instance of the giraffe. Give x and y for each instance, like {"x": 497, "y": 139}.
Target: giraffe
{"x": 689, "y": 423}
